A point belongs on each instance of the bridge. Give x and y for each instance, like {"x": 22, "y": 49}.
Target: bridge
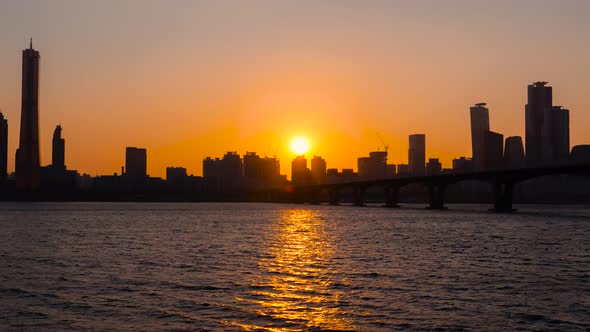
{"x": 502, "y": 184}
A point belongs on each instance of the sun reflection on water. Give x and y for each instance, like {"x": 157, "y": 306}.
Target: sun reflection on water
{"x": 296, "y": 286}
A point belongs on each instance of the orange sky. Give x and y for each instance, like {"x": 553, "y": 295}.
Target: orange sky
{"x": 189, "y": 79}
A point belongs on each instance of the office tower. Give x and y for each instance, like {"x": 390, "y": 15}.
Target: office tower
{"x": 176, "y": 176}
{"x": 391, "y": 171}
{"x": 556, "y": 133}
{"x": 318, "y": 169}
{"x": 58, "y": 150}
{"x": 462, "y": 165}
{"x": 417, "y": 155}
{"x": 514, "y": 153}
{"x": 493, "y": 150}
{"x": 433, "y": 167}
{"x": 28, "y": 168}
{"x": 373, "y": 167}
{"x": 299, "y": 171}
{"x": 135, "y": 163}
{"x": 480, "y": 123}
{"x": 540, "y": 100}
{"x": 3, "y": 148}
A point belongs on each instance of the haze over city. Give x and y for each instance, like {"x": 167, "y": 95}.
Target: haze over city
{"x": 188, "y": 79}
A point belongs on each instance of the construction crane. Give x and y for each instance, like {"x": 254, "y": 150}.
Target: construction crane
{"x": 386, "y": 146}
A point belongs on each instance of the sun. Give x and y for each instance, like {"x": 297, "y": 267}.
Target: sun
{"x": 300, "y": 145}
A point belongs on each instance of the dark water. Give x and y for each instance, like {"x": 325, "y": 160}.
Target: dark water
{"x": 256, "y": 267}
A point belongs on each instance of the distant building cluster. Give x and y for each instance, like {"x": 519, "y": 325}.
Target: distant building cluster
{"x": 547, "y": 143}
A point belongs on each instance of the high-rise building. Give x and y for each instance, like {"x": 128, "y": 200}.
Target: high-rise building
{"x": 299, "y": 171}
{"x": 373, "y": 167}
{"x": 403, "y": 170}
{"x": 417, "y": 155}
{"x": 28, "y": 168}
{"x": 480, "y": 123}
{"x": 58, "y": 150}
{"x": 556, "y": 133}
{"x": 493, "y": 150}
{"x": 3, "y": 147}
{"x": 514, "y": 153}
{"x": 135, "y": 163}
{"x": 318, "y": 169}
{"x": 433, "y": 167}
{"x": 540, "y": 101}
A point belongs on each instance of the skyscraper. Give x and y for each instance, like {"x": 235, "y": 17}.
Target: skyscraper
{"x": 514, "y": 153}
{"x": 3, "y": 147}
{"x": 556, "y": 133}
{"x": 28, "y": 168}
{"x": 58, "y": 150}
{"x": 493, "y": 150}
{"x": 480, "y": 123}
{"x": 135, "y": 163}
{"x": 318, "y": 169}
{"x": 299, "y": 170}
{"x": 417, "y": 155}
{"x": 540, "y": 101}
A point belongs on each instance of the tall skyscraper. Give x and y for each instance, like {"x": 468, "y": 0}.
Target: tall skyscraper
{"x": 480, "y": 123}
{"x": 514, "y": 153}
{"x": 28, "y": 168}
{"x": 299, "y": 171}
{"x": 540, "y": 101}
{"x": 318, "y": 169}
{"x": 417, "y": 155}
{"x": 58, "y": 151}
{"x": 3, "y": 147}
{"x": 135, "y": 163}
{"x": 556, "y": 136}
{"x": 493, "y": 150}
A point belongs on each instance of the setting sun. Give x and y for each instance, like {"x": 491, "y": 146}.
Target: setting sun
{"x": 300, "y": 145}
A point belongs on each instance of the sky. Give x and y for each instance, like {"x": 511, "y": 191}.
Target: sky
{"x": 190, "y": 79}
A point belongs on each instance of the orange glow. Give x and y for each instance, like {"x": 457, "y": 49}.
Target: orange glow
{"x": 300, "y": 145}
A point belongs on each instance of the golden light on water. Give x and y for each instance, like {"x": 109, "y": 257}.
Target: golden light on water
{"x": 296, "y": 277}
{"x": 300, "y": 145}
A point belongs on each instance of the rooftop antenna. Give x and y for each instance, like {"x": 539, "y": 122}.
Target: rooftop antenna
{"x": 31, "y": 43}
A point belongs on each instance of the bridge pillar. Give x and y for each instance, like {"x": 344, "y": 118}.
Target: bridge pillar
{"x": 503, "y": 194}
{"x": 359, "y": 196}
{"x": 436, "y": 195}
{"x": 391, "y": 196}
{"x": 334, "y": 195}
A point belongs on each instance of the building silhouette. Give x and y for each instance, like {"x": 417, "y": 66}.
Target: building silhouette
{"x": 580, "y": 154}
{"x": 556, "y": 135}
{"x": 403, "y": 170}
{"x": 417, "y": 155}
{"x": 223, "y": 175}
{"x": 58, "y": 151}
{"x": 135, "y": 163}
{"x": 539, "y": 100}
{"x": 480, "y": 124}
{"x": 462, "y": 165}
{"x": 373, "y": 167}
{"x": 28, "y": 168}
{"x": 493, "y": 150}
{"x": 300, "y": 174}
{"x": 318, "y": 170}
{"x": 3, "y": 148}
{"x": 514, "y": 153}
{"x": 433, "y": 167}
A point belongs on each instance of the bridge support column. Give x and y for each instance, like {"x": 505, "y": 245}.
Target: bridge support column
{"x": 503, "y": 194}
{"x": 359, "y": 196}
{"x": 334, "y": 196}
{"x": 391, "y": 196}
{"x": 436, "y": 195}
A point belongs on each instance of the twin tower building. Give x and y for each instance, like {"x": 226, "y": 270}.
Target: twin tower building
{"x": 546, "y": 129}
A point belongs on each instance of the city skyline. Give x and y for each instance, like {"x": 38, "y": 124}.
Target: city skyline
{"x": 385, "y": 80}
